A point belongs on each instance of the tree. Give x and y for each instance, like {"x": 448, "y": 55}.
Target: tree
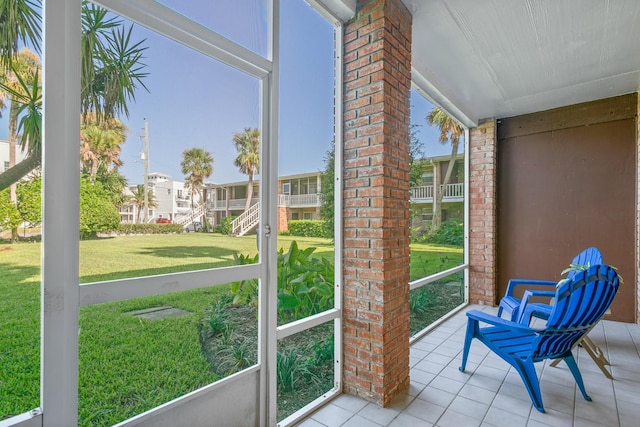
{"x": 197, "y": 165}
{"x": 327, "y": 207}
{"x": 19, "y": 23}
{"x": 97, "y": 212}
{"x": 25, "y": 65}
{"x": 138, "y": 200}
{"x": 29, "y": 99}
{"x": 450, "y": 131}
{"x": 248, "y": 160}
{"x": 111, "y": 71}
{"x": 416, "y": 154}
{"x": 111, "y": 65}
{"x": 100, "y": 141}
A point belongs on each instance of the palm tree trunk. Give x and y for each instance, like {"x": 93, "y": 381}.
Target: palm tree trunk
{"x": 13, "y": 126}
{"x": 249, "y": 193}
{"x": 14, "y": 174}
{"x": 437, "y": 213}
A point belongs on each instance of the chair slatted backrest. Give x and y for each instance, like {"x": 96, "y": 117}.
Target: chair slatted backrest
{"x": 588, "y": 257}
{"x": 580, "y": 303}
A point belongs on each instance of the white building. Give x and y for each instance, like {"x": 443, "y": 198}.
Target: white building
{"x": 173, "y": 200}
{"x": 4, "y": 154}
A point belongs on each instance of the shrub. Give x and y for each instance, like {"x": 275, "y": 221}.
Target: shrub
{"x": 97, "y": 211}
{"x": 150, "y": 228}
{"x": 308, "y": 228}
{"x": 449, "y": 233}
{"x": 225, "y": 225}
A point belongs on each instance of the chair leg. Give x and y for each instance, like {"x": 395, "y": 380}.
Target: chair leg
{"x": 595, "y": 352}
{"x": 527, "y": 372}
{"x": 573, "y": 366}
{"x": 472, "y": 328}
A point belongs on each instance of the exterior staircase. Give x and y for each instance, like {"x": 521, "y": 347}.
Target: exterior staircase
{"x": 246, "y": 221}
{"x": 191, "y": 216}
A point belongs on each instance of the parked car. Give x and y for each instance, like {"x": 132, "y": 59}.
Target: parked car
{"x": 163, "y": 221}
{"x": 194, "y": 226}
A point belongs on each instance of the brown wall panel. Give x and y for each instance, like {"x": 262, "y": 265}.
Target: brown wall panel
{"x": 560, "y": 191}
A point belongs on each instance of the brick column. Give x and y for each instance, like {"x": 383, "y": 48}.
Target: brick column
{"x": 283, "y": 218}
{"x": 482, "y": 213}
{"x": 376, "y": 200}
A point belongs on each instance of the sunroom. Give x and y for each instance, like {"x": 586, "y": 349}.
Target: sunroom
{"x": 546, "y": 93}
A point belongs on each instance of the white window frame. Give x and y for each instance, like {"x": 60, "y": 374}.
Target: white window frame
{"x": 62, "y": 294}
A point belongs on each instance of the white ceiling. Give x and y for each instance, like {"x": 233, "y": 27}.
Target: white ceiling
{"x": 501, "y": 58}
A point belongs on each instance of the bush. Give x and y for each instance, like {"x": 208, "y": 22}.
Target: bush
{"x": 308, "y": 228}
{"x": 225, "y": 225}
{"x": 97, "y": 212}
{"x": 449, "y": 233}
{"x": 150, "y": 228}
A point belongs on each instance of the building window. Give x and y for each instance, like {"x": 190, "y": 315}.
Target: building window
{"x": 286, "y": 188}
{"x": 295, "y": 216}
{"x": 427, "y": 214}
{"x": 307, "y": 215}
{"x": 427, "y": 178}
{"x": 6, "y": 165}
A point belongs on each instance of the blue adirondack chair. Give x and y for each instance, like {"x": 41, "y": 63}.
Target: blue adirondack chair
{"x": 521, "y": 310}
{"x": 579, "y": 304}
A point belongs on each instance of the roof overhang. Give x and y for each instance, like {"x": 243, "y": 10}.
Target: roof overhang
{"x": 502, "y": 58}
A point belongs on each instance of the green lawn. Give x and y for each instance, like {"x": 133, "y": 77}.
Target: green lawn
{"x": 127, "y": 364}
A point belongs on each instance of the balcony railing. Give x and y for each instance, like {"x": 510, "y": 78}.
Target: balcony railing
{"x": 299, "y": 200}
{"x": 232, "y": 205}
{"x": 421, "y": 194}
{"x": 424, "y": 193}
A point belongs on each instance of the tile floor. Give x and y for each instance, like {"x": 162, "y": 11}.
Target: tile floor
{"x": 491, "y": 393}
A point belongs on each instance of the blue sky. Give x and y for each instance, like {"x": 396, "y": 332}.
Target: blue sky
{"x": 194, "y": 101}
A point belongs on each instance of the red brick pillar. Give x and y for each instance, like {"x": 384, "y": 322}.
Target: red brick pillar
{"x": 482, "y": 213}
{"x": 376, "y": 200}
{"x": 283, "y": 218}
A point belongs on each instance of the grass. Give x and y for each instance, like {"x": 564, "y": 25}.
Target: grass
{"x": 128, "y": 364}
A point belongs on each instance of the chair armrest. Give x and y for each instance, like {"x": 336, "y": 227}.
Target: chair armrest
{"x": 511, "y": 285}
{"x": 527, "y": 309}
{"x": 497, "y": 321}
{"x": 537, "y": 293}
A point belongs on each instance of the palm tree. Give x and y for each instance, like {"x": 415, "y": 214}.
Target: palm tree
{"x": 111, "y": 65}
{"x": 25, "y": 65}
{"x": 450, "y": 131}
{"x": 111, "y": 70}
{"x": 19, "y": 25}
{"x": 197, "y": 165}
{"x": 29, "y": 99}
{"x": 248, "y": 160}
{"x": 100, "y": 142}
{"x": 138, "y": 200}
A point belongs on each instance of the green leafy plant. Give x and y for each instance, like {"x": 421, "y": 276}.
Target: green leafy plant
{"x": 237, "y": 356}
{"x": 245, "y": 291}
{"x": 292, "y": 369}
{"x": 305, "y": 283}
{"x": 217, "y": 319}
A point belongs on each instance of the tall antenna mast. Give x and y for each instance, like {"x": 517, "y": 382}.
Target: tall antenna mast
{"x": 145, "y": 161}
